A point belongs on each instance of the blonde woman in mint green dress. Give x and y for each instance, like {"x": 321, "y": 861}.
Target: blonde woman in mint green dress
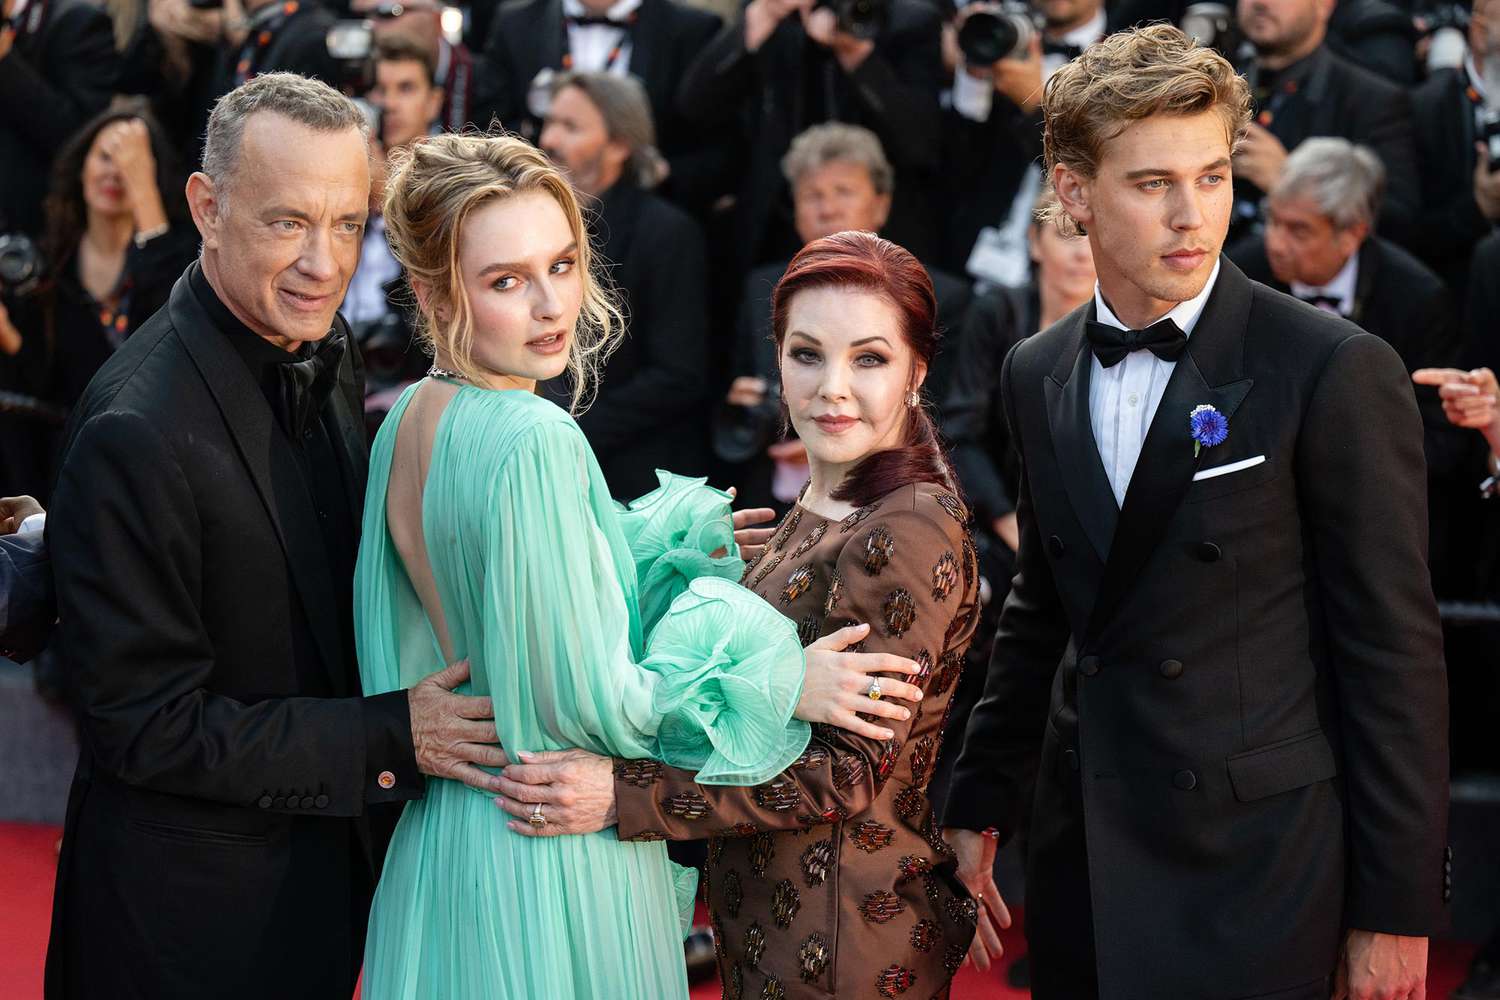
{"x": 489, "y": 536}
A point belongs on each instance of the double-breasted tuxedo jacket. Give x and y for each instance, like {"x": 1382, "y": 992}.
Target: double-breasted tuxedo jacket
{"x": 222, "y": 835}
{"x": 1236, "y": 677}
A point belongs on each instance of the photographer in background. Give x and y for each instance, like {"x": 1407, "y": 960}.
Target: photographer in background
{"x": 1302, "y": 89}
{"x": 117, "y": 239}
{"x": 1003, "y": 57}
{"x": 840, "y": 180}
{"x": 57, "y": 70}
{"x": 1460, "y": 190}
{"x": 409, "y": 107}
{"x": 421, "y": 21}
{"x": 785, "y": 65}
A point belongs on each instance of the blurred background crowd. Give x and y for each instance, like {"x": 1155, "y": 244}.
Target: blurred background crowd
{"x": 714, "y": 139}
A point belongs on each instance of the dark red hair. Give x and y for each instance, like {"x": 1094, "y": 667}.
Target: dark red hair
{"x": 866, "y": 262}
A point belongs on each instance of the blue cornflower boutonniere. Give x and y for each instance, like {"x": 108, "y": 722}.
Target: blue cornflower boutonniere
{"x": 1208, "y": 426}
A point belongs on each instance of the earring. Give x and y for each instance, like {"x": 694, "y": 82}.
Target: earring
{"x": 912, "y": 399}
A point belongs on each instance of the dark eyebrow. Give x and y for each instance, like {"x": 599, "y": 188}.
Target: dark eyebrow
{"x": 505, "y": 265}
{"x": 804, "y": 336}
{"x": 1135, "y": 175}
{"x": 870, "y": 340}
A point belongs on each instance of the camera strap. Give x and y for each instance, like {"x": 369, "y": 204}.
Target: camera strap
{"x": 263, "y": 30}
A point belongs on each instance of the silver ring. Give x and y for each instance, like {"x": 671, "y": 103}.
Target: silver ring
{"x": 873, "y": 691}
{"x": 537, "y": 819}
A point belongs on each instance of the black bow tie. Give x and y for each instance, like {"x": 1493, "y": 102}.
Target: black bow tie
{"x": 1332, "y": 303}
{"x": 596, "y": 21}
{"x": 1068, "y": 52}
{"x": 1111, "y": 344}
{"x": 306, "y": 384}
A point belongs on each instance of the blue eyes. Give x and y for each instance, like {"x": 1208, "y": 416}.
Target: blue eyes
{"x": 803, "y": 355}
{"x": 1160, "y": 184}
{"x": 509, "y": 281}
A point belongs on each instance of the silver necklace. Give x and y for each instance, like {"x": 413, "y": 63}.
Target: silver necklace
{"x": 436, "y": 372}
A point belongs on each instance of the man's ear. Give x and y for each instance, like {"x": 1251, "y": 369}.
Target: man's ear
{"x": 206, "y": 207}
{"x": 435, "y": 104}
{"x": 1073, "y": 193}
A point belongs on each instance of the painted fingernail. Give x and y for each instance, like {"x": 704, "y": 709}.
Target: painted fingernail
{"x": 524, "y": 756}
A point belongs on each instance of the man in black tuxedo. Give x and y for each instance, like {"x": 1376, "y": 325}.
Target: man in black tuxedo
{"x": 57, "y": 70}
{"x": 1460, "y": 193}
{"x": 224, "y": 830}
{"x": 646, "y": 414}
{"x": 783, "y": 66}
{"x": 1302, "y": 89}
{"x": 1221, "y": 630}
{"x": 653, "y": 40}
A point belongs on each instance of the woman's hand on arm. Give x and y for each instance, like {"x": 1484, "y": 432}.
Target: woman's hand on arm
{"x": 837, "y": 685}
{"x": 575, "y": 789}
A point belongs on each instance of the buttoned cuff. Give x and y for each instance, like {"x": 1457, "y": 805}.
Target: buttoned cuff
{"x": 391, "y": 773}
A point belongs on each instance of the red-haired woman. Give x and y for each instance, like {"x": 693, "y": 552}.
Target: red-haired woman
{"x": 832, "y": 879}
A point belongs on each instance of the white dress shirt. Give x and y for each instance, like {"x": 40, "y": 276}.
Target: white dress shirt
{"x": 1123, "y": 399}
{"x": 365, "y": 300}
{"x": 591, "y": 44}
{"x": 1340, "y": 289}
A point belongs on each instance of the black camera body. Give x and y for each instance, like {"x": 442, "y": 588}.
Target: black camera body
{"x": 1004, "y": 31}
{"x": 351, "y": 45}
{"x": 21, "y": 265}
{"x": 864, "y": 19}
{"x": 1212, "y": 25}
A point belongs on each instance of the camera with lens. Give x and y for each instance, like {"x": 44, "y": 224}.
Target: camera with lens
{"x": 742, "y": 433}
{"x": 1212, "y": 25}
{"x": 21, "y": 265}
{"x": 1003, "y": 31}
{"x": 864, "y": 19}
{"x": 351, "y": 45}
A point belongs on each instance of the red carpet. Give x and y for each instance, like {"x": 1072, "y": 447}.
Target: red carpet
{"x": 28, "y": 861}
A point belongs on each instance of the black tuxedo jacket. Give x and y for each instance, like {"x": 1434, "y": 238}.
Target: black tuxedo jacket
{"x": 653, "y": 384}
{"x": 768, "y": 97}
{"x": 1237, "y": 683}
{"x": 527, "y": 36}
{"x": 28, "y": 607}
{"x": 221, "y": 835}
{"x": 55, "y": 79}
{"x": 1451, "y": 222}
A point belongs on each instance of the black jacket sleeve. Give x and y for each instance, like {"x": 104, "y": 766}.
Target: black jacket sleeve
{"x": 970, "y": 417}
{"x": 1005, "y": 729}
{"x": 50, "y": 92}
{"x": 28, "y": 607}
{"x": 1362, "y": 492}
{"x": 124, "y": 531}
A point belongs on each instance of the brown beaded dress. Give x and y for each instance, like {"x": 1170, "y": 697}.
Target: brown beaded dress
{"x": 831, "y": 879}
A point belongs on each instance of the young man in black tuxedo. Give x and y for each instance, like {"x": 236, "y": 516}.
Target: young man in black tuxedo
{"x": 224, "y": 830}
{"x": 1221, "y": 630}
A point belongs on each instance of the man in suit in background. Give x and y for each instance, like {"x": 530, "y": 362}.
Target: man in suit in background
{"x": 654, "y": 41}
{"x": 224, "y": 833}
{"x": 646, "y": 415}
{"x": 1302, "y": 89}
{"x": 1221, "y": 630}
{"x": 27, "y": 605}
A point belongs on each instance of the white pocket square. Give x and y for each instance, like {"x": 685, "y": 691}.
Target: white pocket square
{"x": 1224, "y": 470}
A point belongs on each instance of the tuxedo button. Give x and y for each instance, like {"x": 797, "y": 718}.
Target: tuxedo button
{"x": 1185, "y": 780}
{"x": 307, "y": 802}
{"x": 1207, "y": 551}
{"x": 264, "y": 802}
{"x": 321, "y": 802}
{"x": 1070, "y": 757}
{"x": 1171, "y": 669}
{"x": 386, "y": 779}
{"x": 279, "y": 802}
{"x": 1088, "y": 666}
{"x": 1056, "y": 547}
{"x": 1447, "y": 854}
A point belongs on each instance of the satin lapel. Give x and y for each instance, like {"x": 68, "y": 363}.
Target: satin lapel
{"x": 1166, "y": 466}
{"x": 1073, "y": 444}
{"x": 266, "y": 452}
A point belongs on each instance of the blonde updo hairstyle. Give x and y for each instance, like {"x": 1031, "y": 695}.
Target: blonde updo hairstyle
{"x": 433, "y": 187}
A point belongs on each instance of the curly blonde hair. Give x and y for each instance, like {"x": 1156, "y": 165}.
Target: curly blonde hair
{"x": 1124, "y": 78}
{"x": 434, "y": 186}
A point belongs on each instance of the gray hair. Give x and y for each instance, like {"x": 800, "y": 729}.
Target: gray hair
{"x": 1345, "y": 181}
{"x": 626, "y": 110}
{"x": 837, "y": 142}
{"x": 304, "y": 100}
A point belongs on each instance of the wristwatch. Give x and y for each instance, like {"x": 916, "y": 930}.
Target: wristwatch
{"x": 147, "y": 235}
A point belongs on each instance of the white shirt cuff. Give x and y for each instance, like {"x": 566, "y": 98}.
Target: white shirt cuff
{"x": 36, "y": 522}
{"x": 972, "y": 98}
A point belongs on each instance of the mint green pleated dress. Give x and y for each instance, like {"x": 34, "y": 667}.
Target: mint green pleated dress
{"x": 590, "y": 625}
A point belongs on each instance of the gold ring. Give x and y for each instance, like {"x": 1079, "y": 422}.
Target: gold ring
{"x": 536, "y": 818}
{"x": 874, "y": 690}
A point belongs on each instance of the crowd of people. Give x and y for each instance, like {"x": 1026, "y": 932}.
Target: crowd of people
{"x": 710, "y": 145}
